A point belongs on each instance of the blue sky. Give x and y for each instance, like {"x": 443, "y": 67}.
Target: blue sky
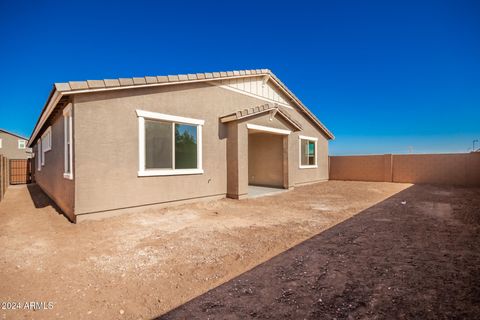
{"x": 384, "y": 76}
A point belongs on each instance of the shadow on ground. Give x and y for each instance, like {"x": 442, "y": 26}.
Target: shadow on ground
{"x": 40, "y": 199}
{"x": 414, "y": 255}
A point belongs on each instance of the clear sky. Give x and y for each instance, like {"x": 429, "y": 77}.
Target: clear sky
{"x": 383, "y": 76}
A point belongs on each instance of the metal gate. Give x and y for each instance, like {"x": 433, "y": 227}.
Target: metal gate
{"x": 20, "y": 171}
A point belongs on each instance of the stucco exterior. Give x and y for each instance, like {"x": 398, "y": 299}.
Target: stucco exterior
{"x": 9, "y": 146}
{"x": 50, "y": 176}
{"x": 461, "y": 169}
{"x": 106, "y": 149}
{"x": 265, "y": 159}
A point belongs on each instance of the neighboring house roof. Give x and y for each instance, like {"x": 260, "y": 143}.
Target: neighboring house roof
{"x": 13, "y": 134}
{"x": 264, "y": 108}
{"x": 75, "y": 87}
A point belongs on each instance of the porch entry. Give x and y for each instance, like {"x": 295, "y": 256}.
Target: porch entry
{"x": 267, "y": 156}
{"x": 258, "y": 149}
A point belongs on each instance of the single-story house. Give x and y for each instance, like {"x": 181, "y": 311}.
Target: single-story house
{"x": 102, "y": 146}
{"x": 14, "y": 146}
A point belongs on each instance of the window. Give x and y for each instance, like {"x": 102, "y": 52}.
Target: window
{"x": 0, "y": 143}
{"x": 22, "y": 144}
{"x": 169, "y": 145}
{"x": 308, "y": 152}
{"x": 68, "y": 147}
{"x": 47, "y": 140}
{"x": 46, "y": 144}
{"x": 39, "y": 155}
{"x": 42, "y": 154}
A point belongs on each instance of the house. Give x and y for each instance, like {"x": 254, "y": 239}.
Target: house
{"x": 107, "y": 145}
{"x": 13, "y": 146}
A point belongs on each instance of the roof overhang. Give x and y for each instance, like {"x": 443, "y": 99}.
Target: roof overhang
{"x": 259, "y": 110}
{"x": 52, "y": 101}
{"x": 77, "y": 87}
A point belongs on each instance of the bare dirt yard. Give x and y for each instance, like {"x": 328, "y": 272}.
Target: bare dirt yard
{"x": 328, "y": 250}
{"x": 415, "y": 255}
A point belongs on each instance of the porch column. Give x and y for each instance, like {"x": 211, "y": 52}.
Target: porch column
{"x": 237, "y": 160}
{"x": 287, "y": 172}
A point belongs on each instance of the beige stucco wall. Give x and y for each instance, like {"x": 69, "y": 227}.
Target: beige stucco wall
{"x": 299, "y": 175}
{"x": 50, "y": 177}
{"x": 106, "y": 146}
{"x": 357, "y": 168}
{"x": 265, "y": 159}
{"x": 451, "y": 169}
{"x": 10, "y": 148}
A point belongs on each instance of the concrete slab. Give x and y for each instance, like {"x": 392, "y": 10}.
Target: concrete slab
{"x": 257, "y": 191}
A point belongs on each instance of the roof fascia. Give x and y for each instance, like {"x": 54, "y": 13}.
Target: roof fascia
{"x": 13, "y": 134}
{"x": 52, "y": 101}
{"x": 302, "y": 106}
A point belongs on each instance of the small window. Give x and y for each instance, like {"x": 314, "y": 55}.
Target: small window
{"x": 308, "y": 152}
{"x": 22, "y": 144}
{"x": 45, "y": 144}
{"x": 169, "y": 145}
{"x": 0, "y": 143}
{"x": 39, "y": 155}
{"x": 68, "y": 146}
{"x": 47, "y": 140}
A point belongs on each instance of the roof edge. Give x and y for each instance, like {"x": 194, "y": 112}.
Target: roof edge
{"x": 75, "y": 87}
{"x": 258, "y": 110}
{"x": 13, "y": 134}
{"x": 109, "y": 84}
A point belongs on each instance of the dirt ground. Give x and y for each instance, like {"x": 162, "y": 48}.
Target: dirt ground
{"x": 414, "y": 256}
{"x": 398, "y": 257}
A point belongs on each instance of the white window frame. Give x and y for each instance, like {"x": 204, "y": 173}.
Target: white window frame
{"x": 68, "y": 142}
{"x": 47, "y": 140}
{"x": 142, "y": 171}
{"x": 42, "y": 155}
{"x": 46, "y": 143}
{"x": 1, "y": 143}
{"x": 24, "y": 142}
{"x": 39, "y": 155}
{"x": 315, "y": 140}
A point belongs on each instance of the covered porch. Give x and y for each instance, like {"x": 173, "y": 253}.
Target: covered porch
{"x": 258, "y": 153}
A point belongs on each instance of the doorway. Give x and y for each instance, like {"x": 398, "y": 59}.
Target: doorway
{"x": 266, "y": 159}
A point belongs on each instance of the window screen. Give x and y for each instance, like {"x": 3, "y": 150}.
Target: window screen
{"x": 158, "y": 145}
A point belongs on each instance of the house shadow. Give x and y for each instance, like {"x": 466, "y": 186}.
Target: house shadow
{"x": 405, "y": 257}
{"x": 41, "y": 200}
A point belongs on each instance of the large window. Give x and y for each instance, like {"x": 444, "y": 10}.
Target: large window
{"x": 308, "y": 152}
{"x": 169, "y": 145}
{"x": 68, "y": 146}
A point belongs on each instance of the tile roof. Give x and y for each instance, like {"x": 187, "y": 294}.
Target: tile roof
{"x": 72, "y": 87}
{"x": 249, "y": 112}
{"x": 137, "y": 81}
